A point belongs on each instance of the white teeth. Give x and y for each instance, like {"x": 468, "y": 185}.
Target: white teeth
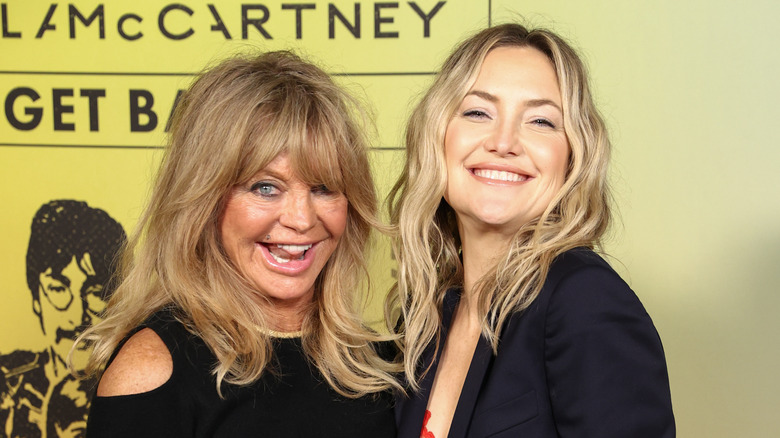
{"x": 500, "y": 175}
{"x": 279, "y": 259}
{"x": 294, "y": 248}
{"x": 284, "y": 260}
{"x": 291, "y": 250}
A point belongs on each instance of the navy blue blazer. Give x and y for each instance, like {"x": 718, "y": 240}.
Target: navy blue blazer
{"x": 584, "y": 360}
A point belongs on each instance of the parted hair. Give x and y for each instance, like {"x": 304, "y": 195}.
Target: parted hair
{"x": 426, "y": 240}
{"x": 233, "y": 120}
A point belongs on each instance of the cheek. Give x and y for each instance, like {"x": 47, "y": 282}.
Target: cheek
{"x": 558, "y": 161}
{"x": 229, "y": 227}
{"x": 335, "y": 219}
{"x": 453, "y": 143}
{"x": 553, "y": 159}
{"x": 563, "y": 162}
{"x": 225, "y": 232}
{"x": 453, "y": 156}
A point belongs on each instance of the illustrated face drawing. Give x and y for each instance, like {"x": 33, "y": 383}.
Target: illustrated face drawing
{"x": 73, "y": 298}
{"x": 69, "y": 264}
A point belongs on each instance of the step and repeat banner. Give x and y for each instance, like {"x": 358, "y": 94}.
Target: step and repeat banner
{"x": 688, "y": 89}
{"x": 88, "y": 89}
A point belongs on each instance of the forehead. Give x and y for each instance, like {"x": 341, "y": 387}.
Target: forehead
{"x": 75, "y": 267}
{"x": 279, "y": 165}
{"x": 309, "y": 166}
{"x": 518, "y": 72}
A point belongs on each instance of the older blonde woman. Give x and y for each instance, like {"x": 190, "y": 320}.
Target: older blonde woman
{"x": 512, "y": 324}
{"x": 236, "y": 312}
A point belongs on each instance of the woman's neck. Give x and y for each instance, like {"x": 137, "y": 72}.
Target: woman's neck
{"x": 481, "y": 251}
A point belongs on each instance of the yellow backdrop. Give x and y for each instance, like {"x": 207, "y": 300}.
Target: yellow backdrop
{"x": 688, "y": 89}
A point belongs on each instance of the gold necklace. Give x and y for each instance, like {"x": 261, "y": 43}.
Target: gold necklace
{"x": 277, "y": 334}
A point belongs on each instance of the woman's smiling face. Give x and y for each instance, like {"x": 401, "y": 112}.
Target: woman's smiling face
{"x": 506, "y": 150}
{"x": 280, "y": 232}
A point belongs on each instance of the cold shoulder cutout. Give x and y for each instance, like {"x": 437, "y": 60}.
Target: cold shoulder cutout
{"x": 186, "y": 404}
{"x": 141, "y": 365}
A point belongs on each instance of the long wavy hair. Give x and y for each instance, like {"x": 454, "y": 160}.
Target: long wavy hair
{"x": 235, "y": 119}
{"x": 426, "y": 241}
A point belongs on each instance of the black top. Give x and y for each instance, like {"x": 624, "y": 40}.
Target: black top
{"x": 295, "y": 401}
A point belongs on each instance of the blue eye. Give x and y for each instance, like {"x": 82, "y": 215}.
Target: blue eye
{"x": 321, "y": 189}
{"x": 543, "y": 122}
{"x": 475, "y": 114}
{"x": 264, "y": 188}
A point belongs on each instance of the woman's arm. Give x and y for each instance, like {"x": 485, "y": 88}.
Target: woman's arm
{"x": 605, "y": 364}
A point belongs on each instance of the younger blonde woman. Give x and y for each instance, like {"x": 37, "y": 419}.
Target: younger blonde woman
{"x": 512, "y": 325}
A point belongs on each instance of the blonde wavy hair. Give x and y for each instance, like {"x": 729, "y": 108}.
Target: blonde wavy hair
{"x": 235, "y": 119}
{"x": 426, "y": 241}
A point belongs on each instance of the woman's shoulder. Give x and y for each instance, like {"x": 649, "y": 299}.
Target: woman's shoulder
{"x": 142, "y": 364}
{"x": 580, "y": 282}
{"x": 582, "y": 266}
{"x": 149, "y": 387}
{"x": 579, "y": 258}
{"x": 145, "y": 360}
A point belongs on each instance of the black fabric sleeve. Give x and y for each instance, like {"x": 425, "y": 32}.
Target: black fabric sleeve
{"x": 161, "y": 412}
{"x": 605, "y": 364}
{"x": 152, "y": 414}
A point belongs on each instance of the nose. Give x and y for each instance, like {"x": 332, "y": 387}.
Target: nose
{"x": 298, "y": 211}
{"x": 86, "y": 316}
{"x": 76, "y": 312}
{"x": 505, "y": 140}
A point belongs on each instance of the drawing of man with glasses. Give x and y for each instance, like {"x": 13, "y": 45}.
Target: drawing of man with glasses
{"x": 70, "y": 261}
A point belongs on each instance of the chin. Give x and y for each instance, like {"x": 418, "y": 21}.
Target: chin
{"x": 291, "y": 295}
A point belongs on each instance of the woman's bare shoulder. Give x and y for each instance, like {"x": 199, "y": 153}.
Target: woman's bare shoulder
{"x": 142, "y": 364}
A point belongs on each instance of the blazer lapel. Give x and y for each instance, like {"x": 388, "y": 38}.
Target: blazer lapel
{"x": 483, "y": 357}
{"x": 410, "y": 411}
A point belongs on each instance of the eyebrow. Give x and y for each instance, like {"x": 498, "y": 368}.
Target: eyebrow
{"x": 265, "y": 172}
{"x": 533, "y": 103}
{"x": 59, "y": 277}
{"x": 483, "y": 94}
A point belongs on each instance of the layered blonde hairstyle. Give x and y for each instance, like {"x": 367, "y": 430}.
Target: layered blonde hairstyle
{"x": 235, "y": 119}
{"x": 427, "y": 243}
